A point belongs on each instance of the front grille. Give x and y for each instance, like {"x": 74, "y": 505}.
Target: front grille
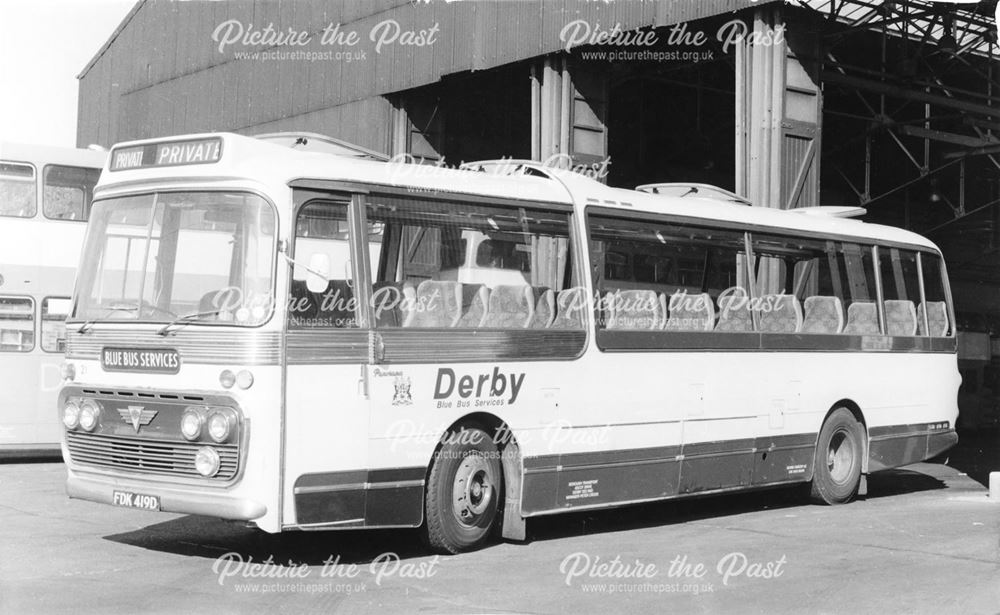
{"x": 169, "y": 458}
{"x": 141, "y": 395}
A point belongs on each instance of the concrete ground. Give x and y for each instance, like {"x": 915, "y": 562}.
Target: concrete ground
{"x": 926, "y": 539}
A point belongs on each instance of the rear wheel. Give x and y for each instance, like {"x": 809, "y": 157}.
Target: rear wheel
{"x": 463, "y": 492}
{"x": 839, "y": 452}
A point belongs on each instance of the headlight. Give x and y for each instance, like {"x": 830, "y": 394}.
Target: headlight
{"x": 206, "y": 461}
{"x": 227, "y": 378}
{"x": 220, "y": 425}
{"x": 71, "y": 415}
{"x": 244, "y": 379}
{"x": 191, "y": 423}
{"x": 90, "y": 412}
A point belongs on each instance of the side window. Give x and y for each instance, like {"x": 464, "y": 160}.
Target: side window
{"x": 67, "y": 192}
{"x": 900, "y": 280}
{"x": 654, "y": 275}
{"x": 900, "y": 290}
{"x": 937, "y": 322}
{"x": 17, "y": 190}
{"x": 860, "y": 273}
{"x": 827, "y": 287}
{"x": 799, "y": 285}
{"x": 17, "y": 324}
{"x": 861, "y": 296}
{"x": 818, "y": 270}
{"x": 322, "y": 288}
{"x": 54, "y": 312}
{"x": 458, "y": 265}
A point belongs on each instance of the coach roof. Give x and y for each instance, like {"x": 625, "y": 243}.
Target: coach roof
{"x": 278, "y": 164}
{"x": 588, "y": 192}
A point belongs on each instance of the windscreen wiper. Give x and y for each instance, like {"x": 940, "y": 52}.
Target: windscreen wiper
{"x": 88, "y": 324}
{"x": 186, "y": 319}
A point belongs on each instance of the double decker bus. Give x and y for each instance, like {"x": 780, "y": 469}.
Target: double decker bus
{"x": 45, "y": 197}
{"x": 309, "y": 341}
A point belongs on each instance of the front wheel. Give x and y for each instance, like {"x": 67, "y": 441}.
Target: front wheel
{"x": 839, "y": 451}
{"x": 463, "y": 492}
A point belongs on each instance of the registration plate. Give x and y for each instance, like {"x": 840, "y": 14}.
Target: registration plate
{"x": 136, "y": 500}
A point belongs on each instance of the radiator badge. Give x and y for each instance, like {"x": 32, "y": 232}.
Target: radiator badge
{"x": 138, "y": 416}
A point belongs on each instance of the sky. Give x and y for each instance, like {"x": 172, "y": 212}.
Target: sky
{"x": 44, "y": 45}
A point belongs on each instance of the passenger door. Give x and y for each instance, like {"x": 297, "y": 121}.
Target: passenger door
{"x": 327, "y": 351}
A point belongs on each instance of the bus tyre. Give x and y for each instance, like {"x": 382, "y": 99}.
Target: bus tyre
{"x": 839, "y": 451}
{"x": 463, "y": 492}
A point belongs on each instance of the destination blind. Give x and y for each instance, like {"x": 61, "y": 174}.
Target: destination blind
{"x": 166, "y": 154}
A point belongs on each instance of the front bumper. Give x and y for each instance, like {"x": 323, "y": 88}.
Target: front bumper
{"x": 177, "y": 500}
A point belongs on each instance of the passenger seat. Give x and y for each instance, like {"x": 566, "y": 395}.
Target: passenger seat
{"x": 636, "y": 309}
{"x": 785, "y": 315}
{"x": 392, "y": 302}
{"x": 570, "y": 305}
{"x": 438, "y": 304}
{"x": 824, "y": 314}
{"x": 937, "y": 318}
{"x": 475, "y": 299}
{"x": 900, "y": 317}
{"x": 510, "y": 307}
{"x": 545, "y": 308}
{"x": 690, "y": 313}
{"x": 862, "y": 319}
{"x": 734, "y": 314}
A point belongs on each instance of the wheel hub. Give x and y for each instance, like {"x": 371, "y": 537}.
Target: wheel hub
{"x": 473, "y": 490}
{"x": 839, "y": 457}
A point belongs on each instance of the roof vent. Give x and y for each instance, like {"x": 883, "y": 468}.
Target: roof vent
{"x": 508, "y": 167}
{"x": 833, "y": 211}
{"x": 313, "y": 142}
{"x": 701, "y": 191}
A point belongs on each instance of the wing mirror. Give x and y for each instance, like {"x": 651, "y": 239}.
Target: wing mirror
{"x": 318, "y": 274}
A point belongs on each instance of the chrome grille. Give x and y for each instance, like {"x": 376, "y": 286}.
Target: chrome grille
{"x": 141, "y": 395}
{"x": 170, "y": 458}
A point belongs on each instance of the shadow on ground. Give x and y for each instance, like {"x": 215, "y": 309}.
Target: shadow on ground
{"x": 209, "y": 538}
{"x": 977, "y": 454}
{"x": 888, "y": 483}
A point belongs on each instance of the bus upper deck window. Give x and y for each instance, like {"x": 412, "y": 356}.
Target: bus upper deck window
{"x": 17, "y": 190}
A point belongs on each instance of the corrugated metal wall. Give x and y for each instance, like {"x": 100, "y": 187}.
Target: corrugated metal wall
{"x": 163, "y": 73}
